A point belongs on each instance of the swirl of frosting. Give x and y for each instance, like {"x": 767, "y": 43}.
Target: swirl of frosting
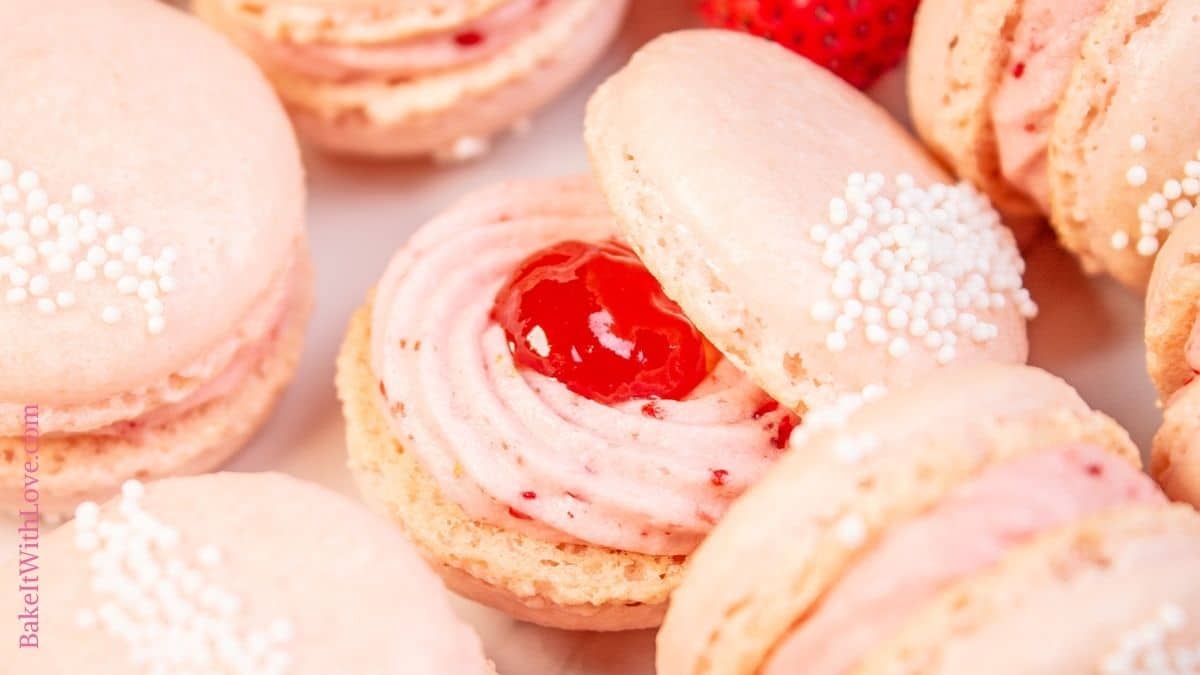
{"x": 521, "y": 451}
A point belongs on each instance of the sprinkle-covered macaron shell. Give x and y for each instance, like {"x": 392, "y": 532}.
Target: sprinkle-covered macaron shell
{"x": 155, "y": 193}
{"x": 131, "y": 584}
{"x": 47, "y": 248}
{"x": 1125, "y": 151}
{"x": 746, "y": 208}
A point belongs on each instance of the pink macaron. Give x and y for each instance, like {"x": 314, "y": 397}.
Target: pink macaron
{"x": 944, "y": 530}
{"x": 400, "y": 78}
{"x": 233, "y": 573}
{"x": 154, "y": 277}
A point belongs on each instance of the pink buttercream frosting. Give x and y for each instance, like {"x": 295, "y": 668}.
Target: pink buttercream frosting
{"x": 520, "y": 450}
{"x": 969, "y": 530}
{"x": 412, "y": 57}
{"x": 1045, "y": 47}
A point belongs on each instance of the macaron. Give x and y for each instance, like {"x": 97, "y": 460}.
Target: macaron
{"x": 507, "y": 396}
{"x": 154, "y": 277}
{"x": 392, "y": 78}
{"x": 1004, "y": 472}
{"x": 958, "y": 58}
{"x": 237, "y": 573}
{"x": 1173, "y": 359}
{"x": 1063, "y": 105}
{"x": 797, "y": 223}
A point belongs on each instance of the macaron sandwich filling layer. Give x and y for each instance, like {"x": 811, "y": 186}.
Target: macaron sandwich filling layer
{"x": 214, "y": 375}
{"x": 522, "y": 450}
{"x": 1044, "y": 47}
{"x": 225, "y": 369}
{"x": 969, "y": 531}
{"x": 411, "y": 56}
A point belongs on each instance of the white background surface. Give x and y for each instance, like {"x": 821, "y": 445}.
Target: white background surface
{"x": 1089, "y": 331}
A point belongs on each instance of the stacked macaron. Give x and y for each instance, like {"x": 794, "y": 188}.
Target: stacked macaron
{"x": 1078, "y": 111}
{"x": 390, "y": 78}
{"x": 507, "y": 395}
{"x": 986, "y": 521}
{"x": 184, "y": 575}
{"x": 154, "y": 276}
{"x": 1173, "y": 356}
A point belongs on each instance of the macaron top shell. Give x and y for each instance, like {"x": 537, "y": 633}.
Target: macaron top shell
{"x": 726, "y": 183}
{"x": 153, "y": 141}
{"x": 318, "y": 579}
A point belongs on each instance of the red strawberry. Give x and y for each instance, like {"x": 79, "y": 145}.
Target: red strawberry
{"x": 857, "y": 39}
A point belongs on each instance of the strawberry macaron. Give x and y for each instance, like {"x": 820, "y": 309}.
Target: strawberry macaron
{"x": 237, "y": 573}
{"x": 942, "y": 531}
{"x": 1078, "y": 111}
{"x": 154, "y": 276}
{"x": 557, "y": 389}
{"x": 1173, "y": 357}
{"x": 397, "y": 78}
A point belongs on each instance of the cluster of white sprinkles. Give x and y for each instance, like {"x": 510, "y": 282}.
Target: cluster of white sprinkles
{"x": 1159, "y": 212}
{"x": 919, "y": 268}
{"x": 45, "y": 244}
{"x": 159, "y": 601}
{"x": 1143, "y": 649}
{"x": 835, "y": 414}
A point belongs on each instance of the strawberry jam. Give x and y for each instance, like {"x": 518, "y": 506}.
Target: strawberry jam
{"x": 592, "y": 317}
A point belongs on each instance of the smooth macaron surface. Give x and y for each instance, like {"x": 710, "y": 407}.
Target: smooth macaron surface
{"x": 183, "y": 154}
{"x": 736, "y": 186}
{"x": 311, "y": 577}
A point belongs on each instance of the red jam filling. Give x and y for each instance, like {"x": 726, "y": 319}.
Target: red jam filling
{"x": 592, "y": 317}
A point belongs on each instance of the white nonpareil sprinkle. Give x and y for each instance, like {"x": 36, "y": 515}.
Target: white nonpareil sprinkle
{"x": 1159, "y": 212}
{"x": 920, "y": 269}
{"x": 1144, "y": 648}
{"x": 834, "y": 414}
{"x": 464, "y": 149}
{"x": 162, "y": 603}
{"x": 48, "y": 244}
{"x": 852, "y": 448}
{"x": 851, "y": 530}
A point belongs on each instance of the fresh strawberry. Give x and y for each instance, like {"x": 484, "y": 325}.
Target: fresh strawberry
{"x": 857, "y": 39}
